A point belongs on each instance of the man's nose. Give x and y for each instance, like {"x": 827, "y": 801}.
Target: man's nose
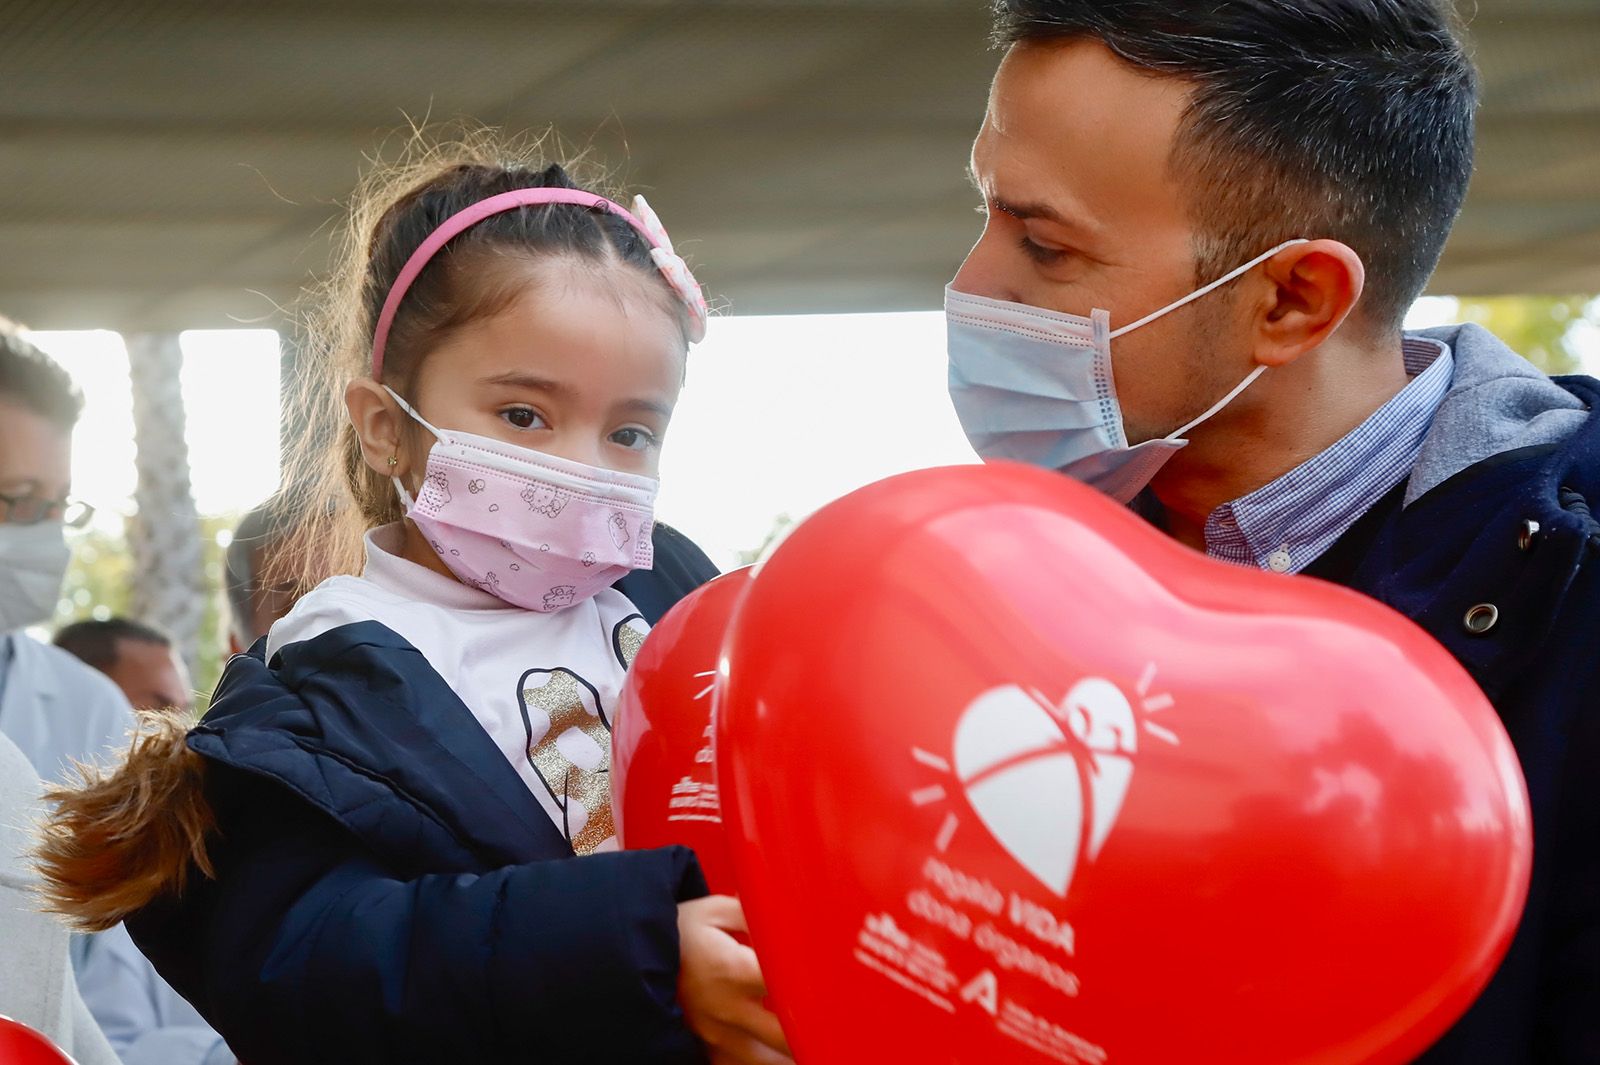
{"x": 980, "y": 274}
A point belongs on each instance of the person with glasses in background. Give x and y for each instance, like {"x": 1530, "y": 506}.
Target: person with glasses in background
{"x": 55, "y": 708}
{"x": 59, "y": 710}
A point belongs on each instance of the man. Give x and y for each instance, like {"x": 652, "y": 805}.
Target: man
{"x": 57, "y": 709}
{"x": 139, "y": 659}
{"x": 52, "y": 706}
{"x": 1311, "y": 156}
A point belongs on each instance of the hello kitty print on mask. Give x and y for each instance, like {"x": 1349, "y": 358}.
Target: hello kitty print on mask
{"x": 538, "y": 531}
{"x": 544, "y": 499}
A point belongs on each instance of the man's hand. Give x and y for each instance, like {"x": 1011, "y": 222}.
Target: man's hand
{"x": 721, "y": 989}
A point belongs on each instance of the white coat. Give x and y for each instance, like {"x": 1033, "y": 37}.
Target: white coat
{"x": 59, "y": 710}
{"x": 36, "y": 984}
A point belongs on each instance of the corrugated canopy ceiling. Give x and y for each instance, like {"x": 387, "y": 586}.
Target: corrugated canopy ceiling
{"x": 176, "y": 165}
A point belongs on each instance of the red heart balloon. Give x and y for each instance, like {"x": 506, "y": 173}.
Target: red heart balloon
{"x": 663, "y": 777}
{"x": 1013, "y": 777}
{"x": 21, "y": 1045}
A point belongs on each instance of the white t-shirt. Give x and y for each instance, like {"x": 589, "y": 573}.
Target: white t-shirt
{"x": 543, "y": 686}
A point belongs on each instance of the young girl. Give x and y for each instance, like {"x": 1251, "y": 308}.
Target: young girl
{"x": 390, "y": 839}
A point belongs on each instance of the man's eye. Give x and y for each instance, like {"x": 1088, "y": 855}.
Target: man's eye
{"x": 1039, "y": 253}
{"x": 523, "y": 417}
{"x": 634, "y": 438}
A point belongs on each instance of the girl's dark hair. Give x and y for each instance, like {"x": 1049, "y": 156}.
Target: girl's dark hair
{"x": 1350, "y": 119}
{"x": 335, "y": 495}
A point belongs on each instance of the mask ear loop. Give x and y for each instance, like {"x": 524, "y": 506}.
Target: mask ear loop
{"x": 1207, "y": 290}
{"x": 1183, "y": 431}
{"x": 399, "y": 486}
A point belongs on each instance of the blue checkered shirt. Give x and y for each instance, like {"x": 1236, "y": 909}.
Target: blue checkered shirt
{"x": 1286, "y": 525}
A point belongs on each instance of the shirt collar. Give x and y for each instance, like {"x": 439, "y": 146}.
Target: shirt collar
{"x": 1287, "y": 524}
{"x": 390, "y": 571}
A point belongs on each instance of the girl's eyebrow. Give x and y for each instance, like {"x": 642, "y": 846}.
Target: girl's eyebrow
{"x": 526, "y": 380}
{"x": 650, "y": 406}
{"x": 560, "y": 388}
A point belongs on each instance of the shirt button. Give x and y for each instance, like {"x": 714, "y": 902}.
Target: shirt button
{"x": 1280, "y": 561}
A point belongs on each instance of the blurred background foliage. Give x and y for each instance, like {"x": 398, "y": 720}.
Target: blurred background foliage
{"x": 1541, "y": 328}
{"x": 98, "y": 585}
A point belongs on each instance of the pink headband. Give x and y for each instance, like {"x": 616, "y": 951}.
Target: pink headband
{"x": 642, "y": 218}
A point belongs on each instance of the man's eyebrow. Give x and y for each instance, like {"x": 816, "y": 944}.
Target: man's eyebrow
{"x": 1026, "y": 211}
{"x": 1023, "y": 211}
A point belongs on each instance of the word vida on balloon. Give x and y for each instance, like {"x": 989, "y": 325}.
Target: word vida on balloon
{"x": 1047, "y": 780}
{"x": 1006, "y": 952}
{"x": 959, "y": 888}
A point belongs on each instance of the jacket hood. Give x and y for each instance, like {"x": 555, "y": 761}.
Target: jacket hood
{"x": 1498, "y": 402}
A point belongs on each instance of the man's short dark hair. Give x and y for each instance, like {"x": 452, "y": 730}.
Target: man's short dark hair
{"x": 95, "y": 642}
{"x": 1349, "y": 119}
{"x": 34, "y": 380}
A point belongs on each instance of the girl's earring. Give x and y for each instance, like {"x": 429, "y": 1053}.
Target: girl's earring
{"x": 394, "y": 461}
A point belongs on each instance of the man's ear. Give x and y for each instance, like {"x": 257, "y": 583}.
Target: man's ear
{"x": 379, "y": 425}
{"x": 1310, "y": 289}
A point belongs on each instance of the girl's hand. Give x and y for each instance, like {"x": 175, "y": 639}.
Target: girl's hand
{"x": 721, "y": 989}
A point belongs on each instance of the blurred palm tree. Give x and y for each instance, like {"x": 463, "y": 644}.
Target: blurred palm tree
{"x": 168, "y": 587}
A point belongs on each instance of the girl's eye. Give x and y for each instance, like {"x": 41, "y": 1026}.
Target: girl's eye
{"x": 1039, "y": 253}
{"x": 634, "y": 438}
{"x": 523, "y": 418}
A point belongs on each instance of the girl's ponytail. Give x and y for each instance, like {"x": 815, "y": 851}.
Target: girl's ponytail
{"x": 120, "y": 839}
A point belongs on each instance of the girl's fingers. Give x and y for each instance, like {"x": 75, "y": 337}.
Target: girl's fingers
{"x": 762, "y": 1025}
{"x": 744, "y": 971}
{"x": 738, "y": 1048}
{"x": 724, "y": 912}
{"x": 733, "y": 916}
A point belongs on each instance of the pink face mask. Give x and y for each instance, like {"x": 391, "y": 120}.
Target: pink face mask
{"x": 538, "y": 531}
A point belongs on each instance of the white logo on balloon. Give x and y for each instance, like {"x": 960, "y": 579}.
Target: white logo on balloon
{"x": 1048, "y": 780}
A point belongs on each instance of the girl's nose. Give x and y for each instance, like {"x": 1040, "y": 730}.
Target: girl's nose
{"x": 577, "y": 447}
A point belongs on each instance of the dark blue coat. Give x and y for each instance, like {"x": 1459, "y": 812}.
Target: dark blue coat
{"x": 1467, "y": 543}
{"x": 389, "y": 891}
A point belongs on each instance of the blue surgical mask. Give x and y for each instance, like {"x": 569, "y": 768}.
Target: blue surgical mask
{"x": 1036, "y": 386}
{"x": 33, "y": 563}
